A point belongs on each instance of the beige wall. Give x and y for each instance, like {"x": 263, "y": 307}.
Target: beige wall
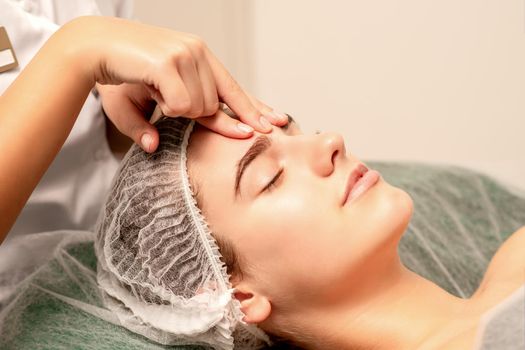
{"x": 223, "y": 24}
{"x": 434, "y": 81}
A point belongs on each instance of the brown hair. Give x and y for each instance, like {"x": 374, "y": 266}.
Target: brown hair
{"x": 230, "y": 256}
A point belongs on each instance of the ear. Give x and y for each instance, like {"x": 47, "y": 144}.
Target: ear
{"x": 255, "y": 306}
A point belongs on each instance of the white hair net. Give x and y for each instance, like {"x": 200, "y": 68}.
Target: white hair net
{"x": 158, "y": 265}
{"x": 50, "y": 297}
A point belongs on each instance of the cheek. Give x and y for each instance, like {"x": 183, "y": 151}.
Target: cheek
{"x": 291, "y": 239}
{"x": 296, "y": 217}
{"x": 374, "y": 227}
{"x": 300, "y": 243}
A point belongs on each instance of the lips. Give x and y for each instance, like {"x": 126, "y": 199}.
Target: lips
{"x": 354, "y": 176}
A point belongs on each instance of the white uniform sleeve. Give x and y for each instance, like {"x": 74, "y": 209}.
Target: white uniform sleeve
{"x": 72, "y": 190}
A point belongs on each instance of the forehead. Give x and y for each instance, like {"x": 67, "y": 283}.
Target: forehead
{"x": 208, "y": 149}
{"x": 212, "y": 158}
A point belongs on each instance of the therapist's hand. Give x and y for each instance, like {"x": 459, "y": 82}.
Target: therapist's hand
{"x": 39, "y": 108}
{"x": 128, "y": 106}
{"x": 134, "y": 63}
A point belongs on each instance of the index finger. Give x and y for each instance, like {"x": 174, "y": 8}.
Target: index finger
{"x": 232, "y": 94}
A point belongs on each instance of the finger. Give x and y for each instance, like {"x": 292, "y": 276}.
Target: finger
{"x": 225, "y": 125}
{"x": 132, "y": 123}
{"x": 231, "y": 93}
{"x": 209, "y": 89}
{"x": 172, "y": 96}
{"x": 259, "y": 105}
{"x": 192, "y": 82}
{"x": 276, "y": 118}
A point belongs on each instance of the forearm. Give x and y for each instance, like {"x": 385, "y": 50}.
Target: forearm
{"x": 37, "y": 112}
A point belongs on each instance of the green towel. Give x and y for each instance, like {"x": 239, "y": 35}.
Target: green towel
{"x": 460, "y": 219}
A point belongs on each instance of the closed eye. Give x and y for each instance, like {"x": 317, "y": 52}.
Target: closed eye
{"x": 271, "y": 184}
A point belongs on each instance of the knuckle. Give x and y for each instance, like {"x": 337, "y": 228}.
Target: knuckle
{"x": 194, "y": 112}
{"x": 211, "y": 108}
{"x": 195, "y": 41}
{"x": 215, "y": 105}
{"x": 183, "y": 105}
{"x": 178, "y": 57}
{"x": 169, "y": 111}
{"x": 199, "y": 111}
{"x": 194, "y": 45}
{"x": 183, "y": 57}
{"x": 174, "y": 108}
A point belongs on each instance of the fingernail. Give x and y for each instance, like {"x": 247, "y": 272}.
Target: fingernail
{"x": 244, "y": 127}
{"x": 281, "y": 116}
{"x": 265, "y": 123}
{"x": 273, "y": 116}
{"x": 146, "y": 141}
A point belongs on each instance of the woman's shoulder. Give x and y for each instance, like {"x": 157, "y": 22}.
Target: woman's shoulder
{"x": 503, "y": 277}
{"x": 465, "y": 340}
{"x": 505, "y": 273}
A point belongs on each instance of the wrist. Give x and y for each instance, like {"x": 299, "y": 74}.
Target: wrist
{"x": 76, "y": 42}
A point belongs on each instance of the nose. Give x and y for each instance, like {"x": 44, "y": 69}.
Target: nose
{"x": 329, "y": 148}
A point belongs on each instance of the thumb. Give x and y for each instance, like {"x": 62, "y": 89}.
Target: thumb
{"x": 134, "y": 125}
{"x": 149, "y": 140}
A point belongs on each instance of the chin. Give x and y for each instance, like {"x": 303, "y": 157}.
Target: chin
{"x": 388, "y": 210}
{"x": 377, "y": 222}
{"x": 398, "y": 209}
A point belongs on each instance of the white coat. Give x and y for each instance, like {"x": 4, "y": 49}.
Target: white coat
{"x": 71, "y": 192}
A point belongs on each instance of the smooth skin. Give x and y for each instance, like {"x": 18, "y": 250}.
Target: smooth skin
{"x": 131, "y": 64}
{"x": 324, "y": 274}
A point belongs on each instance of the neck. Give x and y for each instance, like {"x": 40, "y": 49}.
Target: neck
{"x": 404, "y": 312}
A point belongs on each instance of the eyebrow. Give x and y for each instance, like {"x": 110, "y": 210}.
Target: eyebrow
{"x": 258, "y": 147}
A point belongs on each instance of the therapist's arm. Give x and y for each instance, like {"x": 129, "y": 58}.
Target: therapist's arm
{"x": 38, "y": 110}
{"x": 37, "y": 113}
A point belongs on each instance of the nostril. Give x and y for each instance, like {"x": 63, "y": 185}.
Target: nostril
{"x": 334, "y": 155}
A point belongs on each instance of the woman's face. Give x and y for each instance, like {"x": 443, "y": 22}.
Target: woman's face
{"x": 297, "y": 241}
